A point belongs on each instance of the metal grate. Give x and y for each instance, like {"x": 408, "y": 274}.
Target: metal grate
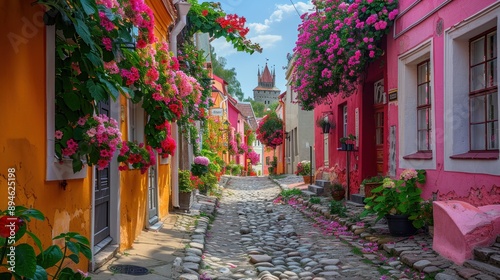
{"x": 128, "y": 269}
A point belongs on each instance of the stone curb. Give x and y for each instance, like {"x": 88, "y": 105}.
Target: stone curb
{"x": 188, "y": 267}
{"x": 415, "y": 252}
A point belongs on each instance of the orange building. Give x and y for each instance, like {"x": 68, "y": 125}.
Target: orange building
{"x": 109, "y": 207}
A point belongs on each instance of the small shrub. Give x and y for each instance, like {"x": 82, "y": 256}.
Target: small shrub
{"x": 315, "y": 200}
{"x": 338, "y": 208}
{"x": 290, "y": 192}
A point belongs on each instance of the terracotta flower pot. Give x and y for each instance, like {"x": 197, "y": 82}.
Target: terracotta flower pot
{"x": 338, "y": 194}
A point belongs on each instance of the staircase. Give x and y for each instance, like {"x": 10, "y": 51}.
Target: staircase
{"x": 486, "y": 259}
{"x": 319, "y": 188}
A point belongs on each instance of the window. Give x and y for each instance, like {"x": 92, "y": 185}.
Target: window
{"x": 423, "y": 107}
{"x": 483, "y": 92}
{"x": 471, "y": 101}
{"x": 415, "y": 112}
{"x": 379, "y": 128}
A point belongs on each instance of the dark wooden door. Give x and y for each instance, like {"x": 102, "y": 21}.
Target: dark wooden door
{"x": 152, "y": 196}
{"x": 379, "y": 139}
{"x": 102, "y": 193}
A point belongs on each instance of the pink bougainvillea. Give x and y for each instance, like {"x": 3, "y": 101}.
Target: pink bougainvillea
{"x": 335, "y": 44}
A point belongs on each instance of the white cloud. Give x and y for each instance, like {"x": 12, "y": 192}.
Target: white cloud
{"x": 266, "y": 41}
{"x": 258, "y": 27}
{"x": 279, "y": 14}
{"x": 222, "y": 47}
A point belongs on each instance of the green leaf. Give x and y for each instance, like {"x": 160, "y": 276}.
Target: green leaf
{"x": 72, "y": 101}
{"x": 84, "y": 147}
{"x": 78, "y": 133}
{"x": 96, "y": 90}
{"x": 74, "y": 258}
{"x": 81, "y": 239}
{"x": 128, "y": 91}
{"x": 88, "y": 6}
{"x": 36, "y": 239}
{"x": 33, "y": 213}
{"x": 77, "y": 165}
{"x": 112, "y": 89}
{"x": 96, "y": 60}
{"x": 85, "y": 250}
{"x": 73, "y": 247}
{"x": 83, "y": 30}
{"x": 50, "y": 257}
{"x": 40, "y": 273}
{"x": 25, "y": 260}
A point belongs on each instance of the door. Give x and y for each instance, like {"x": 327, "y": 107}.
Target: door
{"x": 379, "y": 106}
{"x": 152, "y": 196}
{"x": 379, "y": 140}
{"x": 102, "y": 194}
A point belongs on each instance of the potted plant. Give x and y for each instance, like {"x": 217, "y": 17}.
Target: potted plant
{"x": 304, "y": 170}
{"x": 399, "y": 202}
{"x": 347, "y": 143}
{"x": 372, "y": 183}
{"x": 200, "y": 166}
{"x": 426, "y": 217}
{"x": 325, "y": 124}
{"x": 185, "y": 189}
{"x": 338, "y": 191}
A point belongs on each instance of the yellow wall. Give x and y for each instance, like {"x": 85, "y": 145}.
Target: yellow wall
{"x": 134, "y": 185}
{"x": 22, "y": 119}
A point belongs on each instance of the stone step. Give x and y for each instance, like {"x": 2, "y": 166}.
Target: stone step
{"x": 308, "y": 194}
{"x": 483, "y": 267}
{"x": 322, "y": 183}
{"x": 484, "y": 253}
{"x": 495, "y": 260}
{"x": 357, "y": 198}
{"x": 316, "y": 189}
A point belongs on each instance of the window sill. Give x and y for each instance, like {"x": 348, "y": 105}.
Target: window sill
{"x": 419, "y": 156}
{"x": 493, "y": 155}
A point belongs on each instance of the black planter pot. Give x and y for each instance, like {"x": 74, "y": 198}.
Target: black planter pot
{"x": 400, "y": 225}
{"x": 350, "y": 147}
{"x": 343, "y": 146}
{"x": 326, "y": 128}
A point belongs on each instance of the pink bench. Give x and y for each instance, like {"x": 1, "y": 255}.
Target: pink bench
{"x": 459, "y": 227}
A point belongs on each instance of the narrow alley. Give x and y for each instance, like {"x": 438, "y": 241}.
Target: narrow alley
{"x": 280, "y": 241}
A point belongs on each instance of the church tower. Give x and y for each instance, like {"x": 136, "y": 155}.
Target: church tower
{"x": 266, "y": 91}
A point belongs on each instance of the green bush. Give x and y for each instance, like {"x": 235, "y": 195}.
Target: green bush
{"x": 338, "y": 208}
{"x": 185, "y": 183}
{"x": 236, "y": 169}
{"x": 290, "y": 192}
{"x": 315, "y": 200}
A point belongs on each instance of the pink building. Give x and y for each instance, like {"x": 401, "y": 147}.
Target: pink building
{"x": 431, "y": 102}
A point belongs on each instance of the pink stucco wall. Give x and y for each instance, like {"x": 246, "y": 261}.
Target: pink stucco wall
{"x": 478, "y": 189}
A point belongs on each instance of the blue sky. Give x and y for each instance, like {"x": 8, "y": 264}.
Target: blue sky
{"x": 273, "y": 24}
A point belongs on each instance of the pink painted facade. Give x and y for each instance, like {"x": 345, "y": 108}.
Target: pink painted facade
{"x": 432, "y": 30}
{"x": 437, "y": 31}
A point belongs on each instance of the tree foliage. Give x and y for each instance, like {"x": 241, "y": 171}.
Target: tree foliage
{"x": 229, "y": 75}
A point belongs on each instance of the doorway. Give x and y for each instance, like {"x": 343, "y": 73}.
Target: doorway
{"x": 102, "y": 195}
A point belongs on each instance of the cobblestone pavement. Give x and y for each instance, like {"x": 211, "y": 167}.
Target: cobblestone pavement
{"x": 254, "y": 238}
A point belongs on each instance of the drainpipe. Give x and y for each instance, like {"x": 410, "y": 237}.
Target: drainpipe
{"x": 182, "y": 10}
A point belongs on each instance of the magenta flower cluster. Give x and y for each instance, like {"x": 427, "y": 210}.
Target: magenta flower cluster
{"x": 254, "y": 157}
{"x": 335, "y": 44}
{"x": 201, "y": 160}
{"x": 94, "y": 139}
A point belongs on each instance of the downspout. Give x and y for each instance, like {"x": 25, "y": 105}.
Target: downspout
{"x": 182, "y": 10}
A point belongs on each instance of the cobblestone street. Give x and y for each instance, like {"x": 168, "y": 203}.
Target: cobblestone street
{"x": 279, "y": 240}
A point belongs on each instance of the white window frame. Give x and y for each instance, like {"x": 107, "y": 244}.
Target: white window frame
{"x": 135, "y": 122}
{"x": 456, "y": 91}
{"x": 407, "y": 106}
